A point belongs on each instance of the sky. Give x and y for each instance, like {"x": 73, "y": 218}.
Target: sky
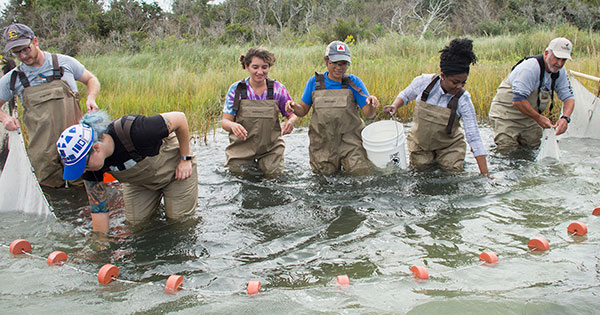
{"x": 164, "y": 4}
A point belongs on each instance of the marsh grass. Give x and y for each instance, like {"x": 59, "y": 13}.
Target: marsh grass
{"x": 172, "y": 75}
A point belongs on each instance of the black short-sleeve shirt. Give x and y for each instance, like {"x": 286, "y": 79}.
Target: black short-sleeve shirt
{"x": 146, "y": 134}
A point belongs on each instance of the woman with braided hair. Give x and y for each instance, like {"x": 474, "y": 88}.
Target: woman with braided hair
{"x": 436, "y": 135}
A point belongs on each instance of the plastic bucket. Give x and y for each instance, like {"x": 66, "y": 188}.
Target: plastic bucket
{"x": 385, "y": 142}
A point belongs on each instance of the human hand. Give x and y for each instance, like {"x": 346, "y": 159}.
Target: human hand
{"x": 291, "y": 106}
{"x": 91, "y": 105}
{"x": 561, "y": 126}
{"x": 10, "y": 123}
{"x": 373, "y": 101}
{"x": 543, "y": 121}
{"x": 183, "y": 170}
{"x": 239, "y": 131}
{"x": 288, "y": 126}
{"x": 390, "y": 109}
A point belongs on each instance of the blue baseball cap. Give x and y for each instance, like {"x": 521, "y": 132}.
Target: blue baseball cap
{"x": 73, "y": 146}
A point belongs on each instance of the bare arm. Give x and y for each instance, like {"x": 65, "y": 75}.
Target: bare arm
{"x": 93, "y": 88}
{"x": 525, "y": 108}
{"x": 238, "y": 130}
{"x": 177, "y": 122}
{"x": 482, "y": 164}
{"x": 299, "y": 110}
{"x": 561, "y": 125}
{"x": 96, "y": 192}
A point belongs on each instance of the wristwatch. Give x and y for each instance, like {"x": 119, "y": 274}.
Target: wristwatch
{"x": 187, "y": 157}
{"x": 566, "y": 118}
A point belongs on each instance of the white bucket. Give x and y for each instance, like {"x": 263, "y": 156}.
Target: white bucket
{"x": 385, "y": 142}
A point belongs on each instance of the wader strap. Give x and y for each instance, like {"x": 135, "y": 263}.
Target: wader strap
{"x": 453, "y": 105}
{"x": 553, "y": 76}
{"x": 319, "y": 81}
{"x": 425, "y": 94}
{"x": 123, "y": 131}
{"x": 57, "y": 72}
{"x": 352, "y": 85}
{"x": 270, "y": 84}
{"x": 241, "y": 92}
{"x": 22, "y": 78}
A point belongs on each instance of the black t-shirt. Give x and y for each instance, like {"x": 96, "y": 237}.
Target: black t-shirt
{"x": 146, "y": 134}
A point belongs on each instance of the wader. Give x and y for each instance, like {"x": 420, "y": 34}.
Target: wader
{"x": 264, "y": 146}
{"x": 436, "y": 135}
{"x": 511, "y": 127}
{"x": 153, "y": 177}
{"x": 48, "y": 109}
{"x": 335, "y": 127}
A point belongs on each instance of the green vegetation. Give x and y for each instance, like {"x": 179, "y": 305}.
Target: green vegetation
{"x": 193, "y": 78}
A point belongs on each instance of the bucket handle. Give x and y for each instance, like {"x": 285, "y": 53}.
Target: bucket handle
{"x": 396, "y": 125}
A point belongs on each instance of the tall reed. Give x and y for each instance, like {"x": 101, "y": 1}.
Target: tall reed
{"x": 172, "y": 75}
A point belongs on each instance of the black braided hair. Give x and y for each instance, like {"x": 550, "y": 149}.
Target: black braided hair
{"x": 457, "y": 57}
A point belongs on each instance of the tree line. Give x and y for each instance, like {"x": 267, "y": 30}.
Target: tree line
{"x": 97, "y": 26}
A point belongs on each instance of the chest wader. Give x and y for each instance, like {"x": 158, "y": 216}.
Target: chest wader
{"x": 335, "y": 127}
{"x": 511, "y": 127}
{"x": 153, "y": 178}
{"x": 48, "y": 109}
{"x": 264, "y": 146}
{"x": 436, "y": 135}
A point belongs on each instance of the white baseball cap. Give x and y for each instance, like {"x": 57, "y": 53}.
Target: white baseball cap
{"x": 73, "y": 146}
{"x": 561, "y": 48}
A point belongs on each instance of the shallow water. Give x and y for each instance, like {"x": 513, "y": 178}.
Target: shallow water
{"x": 298, "y": 232}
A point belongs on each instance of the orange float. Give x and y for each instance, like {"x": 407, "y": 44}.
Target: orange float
{"x": 538, "y": 243}
{"x": 420, "y": 272}
{"x": 18, "y": 246}
{"x": 596, "y": 211}
{"x": 343, "y": 280}
{"x": 174, "y": 284}
{"x": 107, "y": 274}
{"x": 253, "y": 287}
{"x": 56, "y": 258}
{"x": 577, "y": 228}
{"x": 489, "y": 257}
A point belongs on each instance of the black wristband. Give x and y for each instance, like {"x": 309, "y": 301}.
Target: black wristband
{"x": 187, "y": 157}
{"x": 566, "y": 118}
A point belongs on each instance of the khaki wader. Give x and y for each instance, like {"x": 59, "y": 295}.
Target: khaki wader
{"x": 153, "y": 178}
{"x": 48, "y": 109}
{"x": 263, "y": 145}
{"x": 436, "y": 134}
{"x": 335, "y": 127}
{"x": 511, "y": 127}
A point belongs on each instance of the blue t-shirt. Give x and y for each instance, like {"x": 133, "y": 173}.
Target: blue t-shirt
{"x": 73, "y": 70}
{"x": 334, "y": 85}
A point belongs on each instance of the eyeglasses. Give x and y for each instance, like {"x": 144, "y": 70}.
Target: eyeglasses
{"x": 339, "y": 64}
{"x": 24, "y": 51}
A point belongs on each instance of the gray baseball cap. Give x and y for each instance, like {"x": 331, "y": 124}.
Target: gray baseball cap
{"x": 17, "y": 35}
{"x": 337, "y": 51}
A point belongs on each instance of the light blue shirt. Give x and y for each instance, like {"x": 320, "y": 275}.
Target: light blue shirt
{"x": 73, "y": 70}
{"x": 438, "y": 97}
{"x": 525, "y": 78}
{"x": 335, "y": 85}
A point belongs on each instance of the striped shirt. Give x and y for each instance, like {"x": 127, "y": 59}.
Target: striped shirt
{"x": 438, "y": 97}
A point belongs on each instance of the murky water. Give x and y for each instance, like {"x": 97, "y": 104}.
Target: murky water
{"x": 298, "y": 232}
